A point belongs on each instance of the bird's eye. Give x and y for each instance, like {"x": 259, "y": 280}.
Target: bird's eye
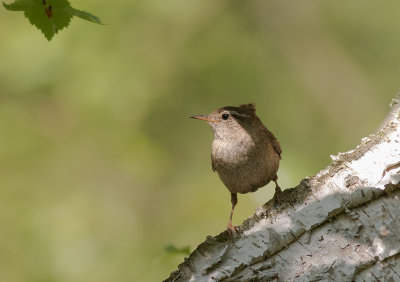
{"x": 225, "y": 116}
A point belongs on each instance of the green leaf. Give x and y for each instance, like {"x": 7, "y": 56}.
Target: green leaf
{"x": 49, "y": 16}
{"x": 19, "y": 5}
{"x": 172, "y": 250}
{"x": 84, "y": 15}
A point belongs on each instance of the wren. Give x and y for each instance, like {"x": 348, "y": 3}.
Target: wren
{"x": 245, "y": 154}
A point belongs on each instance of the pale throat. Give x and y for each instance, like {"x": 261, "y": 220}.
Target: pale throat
{"x": 232, "y": 148}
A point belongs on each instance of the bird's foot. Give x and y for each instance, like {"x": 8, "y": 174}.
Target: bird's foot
{"x": 278, "y": 195}
{"x": 231, "y": 228}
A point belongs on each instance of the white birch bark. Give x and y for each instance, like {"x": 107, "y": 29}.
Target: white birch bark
{"x": 342, "y": 224}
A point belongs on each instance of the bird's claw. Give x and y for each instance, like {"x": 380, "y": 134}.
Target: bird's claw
{"x": 232, "y": 228}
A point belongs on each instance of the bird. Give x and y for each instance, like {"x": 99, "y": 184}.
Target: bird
{"x": 244, "y": 153}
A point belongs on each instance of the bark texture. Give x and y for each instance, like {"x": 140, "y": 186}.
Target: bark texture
{"x": 343, "y": 224}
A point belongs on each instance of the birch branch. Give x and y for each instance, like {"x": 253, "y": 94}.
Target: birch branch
{"x": 342, "y": 224}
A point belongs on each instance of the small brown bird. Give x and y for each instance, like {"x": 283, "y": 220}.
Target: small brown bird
{"x": 245, "y": 153}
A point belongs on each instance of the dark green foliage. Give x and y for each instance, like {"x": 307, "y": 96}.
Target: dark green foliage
{"x": 49, "y": 16}
{"x": 172, "y": 250}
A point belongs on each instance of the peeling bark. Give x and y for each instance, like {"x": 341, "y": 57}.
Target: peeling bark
{"x": 343, "y": 224}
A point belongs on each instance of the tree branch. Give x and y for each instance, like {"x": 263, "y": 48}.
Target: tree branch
{"x": 341, "y": 224}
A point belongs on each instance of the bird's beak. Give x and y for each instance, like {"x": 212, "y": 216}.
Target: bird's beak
{"x": 203, "y": 117}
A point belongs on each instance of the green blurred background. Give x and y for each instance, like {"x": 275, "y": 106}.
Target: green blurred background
{"x": 100, "y": 166}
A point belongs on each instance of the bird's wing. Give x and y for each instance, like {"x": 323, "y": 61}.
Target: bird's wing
{"x": 212, "y": 164}
{"x": 277, "y": 146}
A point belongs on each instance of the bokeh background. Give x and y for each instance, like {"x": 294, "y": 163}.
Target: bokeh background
{"x": 100, "y": 166}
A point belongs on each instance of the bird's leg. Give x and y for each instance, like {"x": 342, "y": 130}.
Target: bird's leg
{"x": 234, "y": 202}
{"x": 278, "y": 192}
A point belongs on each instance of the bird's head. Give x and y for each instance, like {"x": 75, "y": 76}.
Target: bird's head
{"x": 229, "y": 121}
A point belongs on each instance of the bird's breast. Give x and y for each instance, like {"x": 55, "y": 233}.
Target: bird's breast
{"x": 232, "y": 151}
